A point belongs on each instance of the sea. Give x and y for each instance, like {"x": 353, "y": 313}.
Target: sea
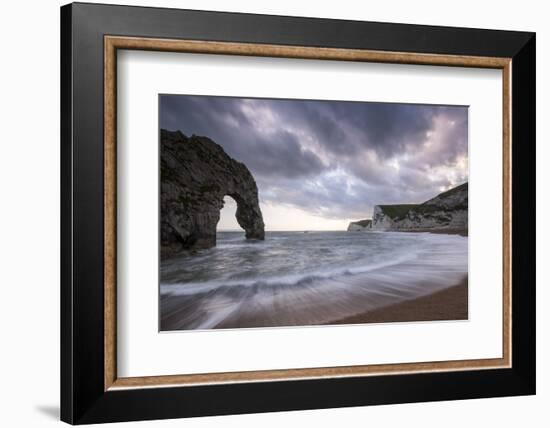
{"x": 304, "y": 278}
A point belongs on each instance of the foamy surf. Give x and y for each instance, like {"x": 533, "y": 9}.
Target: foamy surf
{"x": 293, "y": 278}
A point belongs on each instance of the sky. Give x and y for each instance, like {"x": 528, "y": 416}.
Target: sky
{"x": 321, "y": 164}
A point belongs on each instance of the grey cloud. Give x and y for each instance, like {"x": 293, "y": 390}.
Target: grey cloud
{"x": 222, "y": 120}
{"x": 290, "y": 144}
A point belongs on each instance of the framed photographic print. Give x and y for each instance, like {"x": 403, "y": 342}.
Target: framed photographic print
{"x": 266, "y": 213}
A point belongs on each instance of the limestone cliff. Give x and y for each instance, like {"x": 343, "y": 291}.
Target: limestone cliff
{"x": 359, "y": 226}
{"x": 448, "y": 210}
{"x": 386, "y": 217}
{"x": 196, "y": 174}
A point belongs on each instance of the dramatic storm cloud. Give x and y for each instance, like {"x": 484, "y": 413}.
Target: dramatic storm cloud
{"x": 330, "y": 159}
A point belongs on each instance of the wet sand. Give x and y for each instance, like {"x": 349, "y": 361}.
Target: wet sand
{"x": 448, "y": 304}
{"x": 285, "y": 309}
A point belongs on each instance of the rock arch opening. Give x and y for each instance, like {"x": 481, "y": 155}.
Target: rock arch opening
{"x": 228, "y": 217}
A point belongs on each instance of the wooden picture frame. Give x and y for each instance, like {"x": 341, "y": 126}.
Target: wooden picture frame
{"x": 91, "y": 390}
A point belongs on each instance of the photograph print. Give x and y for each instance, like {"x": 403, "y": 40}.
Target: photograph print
{"x": 289, "y": 212}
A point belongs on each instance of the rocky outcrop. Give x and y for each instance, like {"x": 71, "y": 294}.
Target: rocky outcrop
{"x": 448, "y": 210}
{"x": 387, "y": 217}
{"x": 359, "y": 226}
{"x": 196, "y": 174}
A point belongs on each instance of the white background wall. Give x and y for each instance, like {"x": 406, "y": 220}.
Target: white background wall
{"x": 29, "y": 214}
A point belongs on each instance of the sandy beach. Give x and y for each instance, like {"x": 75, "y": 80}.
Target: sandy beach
{"x": 448, "y": 304}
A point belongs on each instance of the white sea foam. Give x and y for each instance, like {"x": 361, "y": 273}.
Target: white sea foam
{"x": 296, "y": 278}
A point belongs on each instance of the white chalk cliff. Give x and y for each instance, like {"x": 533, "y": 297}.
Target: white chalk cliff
{"x": 359, "y": 226}
{"x": 448, "y": 210}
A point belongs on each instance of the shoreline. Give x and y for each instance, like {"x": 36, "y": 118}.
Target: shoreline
{"x": 447, "y": 304}
{"x": 439, "y": 231}
{"x": 371, "y": 289}
{"x": 443, "y": 305}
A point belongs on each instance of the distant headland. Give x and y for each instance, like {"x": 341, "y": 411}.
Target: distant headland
{"x": 446, "y": 212}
